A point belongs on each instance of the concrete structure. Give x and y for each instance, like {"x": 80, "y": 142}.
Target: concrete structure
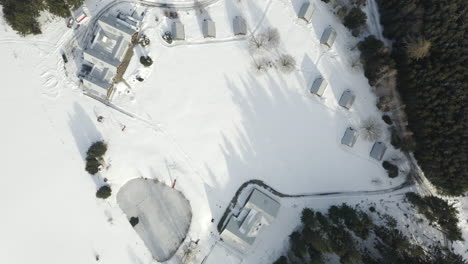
{"x": 259, "y": 211}
{"x": 328, "y": 37}
{"x": 378, "y": 150}
{"x": 350, "y": 136}
{"x": 306, "y": 11}
{"x": 107, "y": 51}
{"x": 319, "y": 86}
{"x": 347, "y": 99}
{"x": 178, "y": 31}
{"x": 239, "y": 26}
{"x": 209, "y": 29}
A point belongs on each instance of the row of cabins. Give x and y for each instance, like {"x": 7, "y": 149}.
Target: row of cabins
{"x": 347, "y": 98}
{"x": 319, "y": 86}
{"x": 350, "y": 137}
{"x": 305, "y": 13}
{"x": 209, "y": 28}
{"x": 346, "y": 101}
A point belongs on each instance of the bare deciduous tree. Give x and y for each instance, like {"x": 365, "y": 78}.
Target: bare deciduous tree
{"x": 272, "y": 37}
{"x": 417, "y": 48}
{"x": 286, "y": 63}
{"x": 260, "y": 66}
{"x": 257, "y": 43}
{"x": 371, "y": 129}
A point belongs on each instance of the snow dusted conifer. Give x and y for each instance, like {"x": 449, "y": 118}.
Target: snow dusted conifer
{"x": 371, "y": 129}
{"x": 286, "y": 63}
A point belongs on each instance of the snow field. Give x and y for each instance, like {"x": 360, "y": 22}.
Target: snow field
{"x": 204, "y": 119}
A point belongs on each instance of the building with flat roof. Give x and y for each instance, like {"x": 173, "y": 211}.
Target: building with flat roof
{"x": 306, "y": 11}
{"x": 108, "y": 48}
{"x": 259, "y": 211}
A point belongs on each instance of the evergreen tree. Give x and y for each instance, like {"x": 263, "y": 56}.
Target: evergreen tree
{"x": 355, "y": 18}
{"x": 104, "y": 192}
{"x": 433, "y": 81}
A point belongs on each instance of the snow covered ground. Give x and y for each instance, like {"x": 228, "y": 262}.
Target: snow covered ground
{"x": 163, "y": 215}
{"x": 203, "y": 118}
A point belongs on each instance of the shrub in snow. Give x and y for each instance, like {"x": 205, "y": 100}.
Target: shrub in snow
{"x": 387, "y": 119}
{"x": 371, "y": 129}
{"x": 286, "y": 63}
{"x": 104, "y": 192}
{"x": 134, "y": 221}
{"x": 97, "y": 149}
{"x": 92, "y": 165}
{"x": 167, "y": 36}
{"x": 146, "y": 61}
{"x": 94, "y": 157}
{"x": 392, "y": 169}
{"x": 355, "y": 18}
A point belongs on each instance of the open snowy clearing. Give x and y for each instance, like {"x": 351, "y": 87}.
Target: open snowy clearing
{"x": 164, "y": 215}
{"x": 204, "y": 118}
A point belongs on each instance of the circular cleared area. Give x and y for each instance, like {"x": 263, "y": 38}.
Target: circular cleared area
{"x": 163, "y": 213}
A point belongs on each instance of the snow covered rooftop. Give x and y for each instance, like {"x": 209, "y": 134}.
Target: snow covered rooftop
{"x": 318, "y": 86}
{"x": 328, "y": 37}
{"x": 239, "y": 25}
{"x": 378, "y": 150}
{"x": 107, "y": 51}
{"x": 209, "y": 29}
{"x": 259, "y": 211}
{"x": 347, "y": 99}
{"x": 349, "y": 138}
{"x": 178, "y": 31}
{"x": 306, "y": 11}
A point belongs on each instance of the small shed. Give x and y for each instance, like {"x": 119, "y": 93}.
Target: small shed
{"x": 306, "y": 11}
{"x": 178, "y": 32}
{"x": 319, "y": 86}
{"x": 350, "y": 136}
{"x": 209, "y": 29}
{"x": 347, "y": 99}
{"x": 378, "y": 150}
{"x": 328, "y": 37}
{"x": 240, "y": 26}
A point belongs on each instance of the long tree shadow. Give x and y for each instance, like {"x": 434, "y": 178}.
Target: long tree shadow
{"x": 85, "y": 133}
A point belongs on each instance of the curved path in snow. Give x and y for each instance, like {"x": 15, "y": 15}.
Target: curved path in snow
{"x": 262, "y": 184}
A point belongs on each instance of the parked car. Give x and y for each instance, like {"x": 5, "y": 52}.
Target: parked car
{"x": 70, "y": 22}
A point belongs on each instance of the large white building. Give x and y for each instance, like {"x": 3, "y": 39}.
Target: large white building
{"x": 107, "y": 50}
{"x": 258, "y": 212}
